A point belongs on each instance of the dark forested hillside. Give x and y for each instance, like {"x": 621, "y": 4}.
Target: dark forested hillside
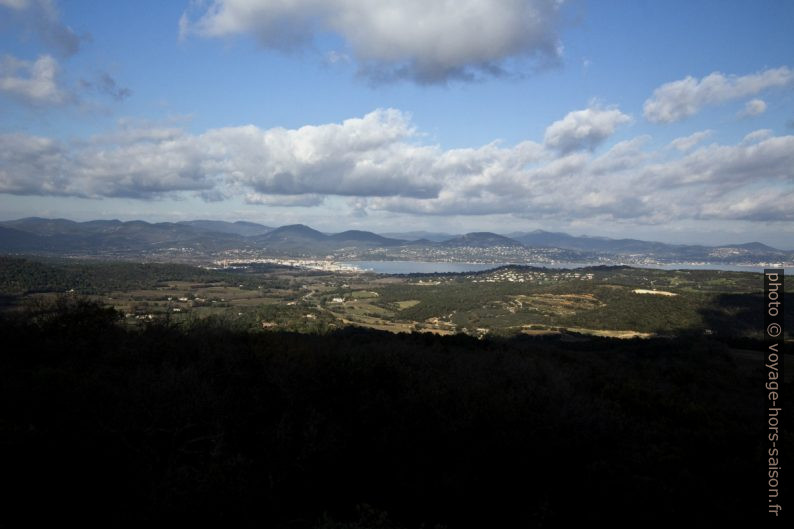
{"x": 18, "y": 275}
{"x": 208, "y": 424}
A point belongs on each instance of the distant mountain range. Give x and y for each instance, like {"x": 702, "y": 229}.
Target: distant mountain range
{"x": 203, "y": 237}
{"x": 547, "y": 239}
{"x": 298, "y": 237}
{"x": 66, "y": 236}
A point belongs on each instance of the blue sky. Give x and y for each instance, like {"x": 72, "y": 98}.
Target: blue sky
{"x": 670, "y": 121}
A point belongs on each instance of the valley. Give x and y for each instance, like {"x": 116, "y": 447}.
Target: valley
{"x": 616, "y": 301}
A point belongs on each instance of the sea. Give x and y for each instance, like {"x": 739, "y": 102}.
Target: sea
{"x": 430, "y": 267}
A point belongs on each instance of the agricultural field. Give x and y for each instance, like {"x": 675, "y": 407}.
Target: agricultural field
{"x": 617, "y": 302}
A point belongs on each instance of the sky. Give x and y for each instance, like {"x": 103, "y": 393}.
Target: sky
{"x": 660, "y": 120}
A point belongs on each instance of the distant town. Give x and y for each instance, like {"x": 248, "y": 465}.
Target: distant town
{"x": 227, "y": 244}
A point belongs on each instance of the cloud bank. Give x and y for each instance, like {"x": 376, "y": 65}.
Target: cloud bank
{"x": 379, "y": 162}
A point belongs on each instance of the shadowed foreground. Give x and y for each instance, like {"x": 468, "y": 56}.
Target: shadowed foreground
{"x": 360, "y": 429}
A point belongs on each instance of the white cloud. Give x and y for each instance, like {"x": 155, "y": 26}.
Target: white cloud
{"x": 378, "y": 163}
{"x": 584, "y": 129}
{"x": 41, "y": 166}
{"x": 687, "y": 142}
{"x": 754, "y": 107}
{"x": 38, "y": 83}
{"x": 142, "y": 169}
{"x": 627, "y": 183}
{"x": 360, "y": 157}
{"x": 757, "y": 135}
{"x": 421, "y": 40}
{"x": 368, "y": 156}
{"x": 307, "y": 200}
{"x": 34, "y": 82}
{"x": 680, "y": 99}
{"x": 32, "y": 165}
{"x": 765, "y": 205}
{"x": 724, "y": 167}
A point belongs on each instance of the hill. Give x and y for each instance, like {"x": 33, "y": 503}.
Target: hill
{"x": 605, "y": 245}
{"x": 206, "y": 239}
{"x": 364, "y": 237}
{"x": 208, "y": 425}
{"x": 245, "y": 229}
{"x": 482, "y": 239}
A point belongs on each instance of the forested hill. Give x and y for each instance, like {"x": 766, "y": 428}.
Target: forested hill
{"x": 19, "y": 275}
{"x": 207, "y": 425}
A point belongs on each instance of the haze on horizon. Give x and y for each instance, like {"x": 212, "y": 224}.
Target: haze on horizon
{"x": 668, "y": 121}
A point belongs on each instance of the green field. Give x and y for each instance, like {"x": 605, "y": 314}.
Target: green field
{"x": 604, "y": 301}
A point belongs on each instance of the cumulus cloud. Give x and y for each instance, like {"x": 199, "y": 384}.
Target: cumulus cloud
{"x": 42, "y": 18}
{"x": 572, "y": 185}
{"x": 770, "y": 159}
{"x": 687, "y": 142}
{"x": 32, "y": 165}
{"x": 359, "y": 157}
{"x": 722, "y": 168}
{"x": 584, "y": 129}
{"x": 40, "y": 82}
{"x": 626, "y": 183}
{"x": 765, "y": 205}
{"x": 379, "y": 163}
{"x": 680, "y": 99}
{"x": 754, "y": 107}
{"x": 41, "y": 166}
{"x": 423, "y": 41}
{"x": 34, "y": 82}
{"x": 368, "y": 156}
